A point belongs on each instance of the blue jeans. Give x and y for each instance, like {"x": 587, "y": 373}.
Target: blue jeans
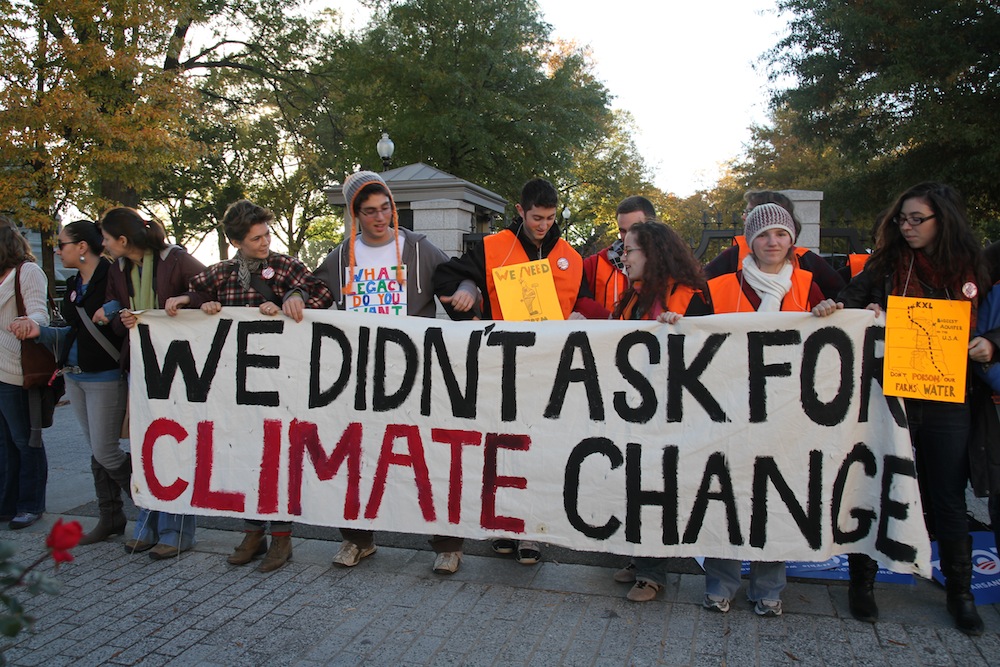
{"x": 939, "y": 432}
{"x": 722, "y": 579}
{"x": 24, "y": 470}
{"x": 176, "y": 530}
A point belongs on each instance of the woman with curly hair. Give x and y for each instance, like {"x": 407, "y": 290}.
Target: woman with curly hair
{"x": 665, "y": 283}
{"x": 925, "y": 249}
{"x": 664, "y": 276}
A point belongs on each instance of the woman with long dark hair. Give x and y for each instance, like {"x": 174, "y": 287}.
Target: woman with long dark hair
{"x": 89, "y": 358}
{"x": 23, "y": 465}
{"x": 147, "y": 271}
{"x": 665, "y": 283}
{"x": 925, "y": 249}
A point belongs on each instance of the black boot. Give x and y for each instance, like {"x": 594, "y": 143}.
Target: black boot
{"x": 861, "y": 593}
{"x": 122, "y": 475}
{"x": 956, "y": 565}
{"x": 109, "y": 503}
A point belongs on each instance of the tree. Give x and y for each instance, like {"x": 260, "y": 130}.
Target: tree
{"x": 901, "y": 89}
{"x": 86, "y": 115}
{"x": 473, "y": 87}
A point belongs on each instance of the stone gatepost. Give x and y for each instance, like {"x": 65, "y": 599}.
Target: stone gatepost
{"x": 445, "y": 222}
{"x": 807, "y": 208}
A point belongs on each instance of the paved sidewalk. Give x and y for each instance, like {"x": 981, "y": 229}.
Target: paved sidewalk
{"x": 123, "y": 609}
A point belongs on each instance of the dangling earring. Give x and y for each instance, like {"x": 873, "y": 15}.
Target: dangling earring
{"x": 83, "y": 258}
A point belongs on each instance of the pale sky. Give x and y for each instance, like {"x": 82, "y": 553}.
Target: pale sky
{"x": 685, "y": 72}
{"x": 683, "y": 69}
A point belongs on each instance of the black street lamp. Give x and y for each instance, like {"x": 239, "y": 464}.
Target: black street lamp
{"x": 385, "y": 149}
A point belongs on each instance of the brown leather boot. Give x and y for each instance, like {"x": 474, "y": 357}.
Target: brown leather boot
{"x": 109, "y": 503}
{"x": 279, "y": 553}
{"x": 254, "y": 544}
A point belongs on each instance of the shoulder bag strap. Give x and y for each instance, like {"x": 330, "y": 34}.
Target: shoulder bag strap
{"x": 264, "y": 289}
{"x": 97, "y": 335}
{"x": 17, "y": 292}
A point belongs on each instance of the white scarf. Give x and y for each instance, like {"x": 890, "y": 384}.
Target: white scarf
{"x": 770, "y": 287}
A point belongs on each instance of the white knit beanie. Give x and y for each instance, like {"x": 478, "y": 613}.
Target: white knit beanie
{"x": 767, "y": 216}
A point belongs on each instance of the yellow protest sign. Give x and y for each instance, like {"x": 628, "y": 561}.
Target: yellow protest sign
{"x": 527, "y": 292}
{"x": 926, "y": 349}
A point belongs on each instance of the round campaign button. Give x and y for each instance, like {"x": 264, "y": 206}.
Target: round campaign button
{"x": 267, "y": 273}
{"x": 970, "y": 290}
{"x": 562, "y": 263}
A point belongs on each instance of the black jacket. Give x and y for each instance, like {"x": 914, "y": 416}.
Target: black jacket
{"x": 90, "y": 355}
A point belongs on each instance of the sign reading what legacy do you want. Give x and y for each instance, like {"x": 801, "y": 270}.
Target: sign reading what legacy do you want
{"x": 738, "y": 436}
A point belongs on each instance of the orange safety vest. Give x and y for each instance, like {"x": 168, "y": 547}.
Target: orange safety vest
{"x": 741, "y": 243}
{"x": 857, "y": 262}
{"x": 504, "y": 249}
{"x": 677, "y": 302}
{"x": 614, "y": 283}
{"x": 728, "y": 297}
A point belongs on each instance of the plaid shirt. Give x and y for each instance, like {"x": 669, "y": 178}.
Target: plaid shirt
{"x": 220, "y": 282}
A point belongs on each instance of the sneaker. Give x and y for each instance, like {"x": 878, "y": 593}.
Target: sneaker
{"x": 528, "y": 553}
{"x": 626, "y": 575}
{"x": 767, "y": 608}
{"x": 447, "y": 562}
{"x": 643, "y": 591}
{"x": 715, "y": 603}
{"x": 350, "y": 554}
{"x": 23, "y": 520}
{"x": 504, "y": 546}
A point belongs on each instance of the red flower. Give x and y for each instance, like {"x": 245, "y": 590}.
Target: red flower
{"x": 64, "y": 536}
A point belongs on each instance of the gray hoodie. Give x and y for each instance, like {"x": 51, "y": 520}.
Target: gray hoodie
{"x": 421, "y": 258}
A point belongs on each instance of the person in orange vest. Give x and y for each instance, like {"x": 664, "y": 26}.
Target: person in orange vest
{"x": 665, "y": 283}
{"x": 770, "y": 280}
{"x": 464, "y": 285}
{"x": 731, "y": 259}
{"x": 604, "y": 271}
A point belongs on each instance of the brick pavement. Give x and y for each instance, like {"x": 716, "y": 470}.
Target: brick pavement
{"x": 119, "y": 609}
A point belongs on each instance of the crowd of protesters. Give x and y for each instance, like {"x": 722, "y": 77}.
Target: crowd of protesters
{"x": 924, "y": 248}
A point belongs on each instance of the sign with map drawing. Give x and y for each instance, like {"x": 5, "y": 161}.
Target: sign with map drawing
{"x": 926, "y": 348}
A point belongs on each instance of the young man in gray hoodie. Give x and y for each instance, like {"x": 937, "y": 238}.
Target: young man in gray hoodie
{"x": 375, "y": 239}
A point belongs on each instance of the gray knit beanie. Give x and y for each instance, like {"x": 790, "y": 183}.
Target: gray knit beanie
{"x": 353, "y": 185}
{"x": 767, "y": 216}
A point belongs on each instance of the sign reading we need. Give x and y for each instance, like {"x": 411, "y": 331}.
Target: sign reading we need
{"x": 377, "y": 290}
{"x": 750, "y": 436}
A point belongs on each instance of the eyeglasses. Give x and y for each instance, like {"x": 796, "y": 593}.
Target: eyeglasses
{"x": 626, "y": 251}
{"x": 60, "y": 244}
{"x": 914, "y": 220}
{"x": 385, "y": 209}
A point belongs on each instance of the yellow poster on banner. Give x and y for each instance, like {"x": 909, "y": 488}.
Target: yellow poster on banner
{"x": 527, "y": 292}
{"x": 926, "y": 348}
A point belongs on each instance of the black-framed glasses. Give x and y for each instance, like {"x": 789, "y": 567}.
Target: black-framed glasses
{"x": 914, "y": 220}
{"x": 62, "y": 243}
{"x": 626, "y": 251}
{"x": 385, "y": 209}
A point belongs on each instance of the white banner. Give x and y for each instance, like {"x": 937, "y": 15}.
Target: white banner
{"x": 762, "y": 437}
